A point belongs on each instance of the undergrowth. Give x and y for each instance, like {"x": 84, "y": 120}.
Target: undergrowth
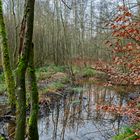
{"x": 127, "y": 134}
{"x": 46, "y": 72}
{"x": 2, "y": 138}
{"x": 88, "y": 72}
{"x": 77, "y": 89}
{"x": 2, "y": 84}
{"x": 53, "y": 87}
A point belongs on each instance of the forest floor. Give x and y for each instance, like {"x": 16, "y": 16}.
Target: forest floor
{"x": 59, "y": 80}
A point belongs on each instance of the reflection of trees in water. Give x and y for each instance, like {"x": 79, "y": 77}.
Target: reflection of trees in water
{"x": 77, "y": 110}
{"x": 55, "y": 119}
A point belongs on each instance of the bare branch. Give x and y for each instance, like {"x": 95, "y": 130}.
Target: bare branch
{"x": 66, "y": 4}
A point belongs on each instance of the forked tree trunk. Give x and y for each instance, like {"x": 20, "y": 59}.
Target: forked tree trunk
{"x": 33, "y": 130}
{"x": 22, "y": 66}
{"x": 9, "y": 79}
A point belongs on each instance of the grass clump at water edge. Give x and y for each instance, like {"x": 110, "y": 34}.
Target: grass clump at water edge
{"x": 127, "y": 134}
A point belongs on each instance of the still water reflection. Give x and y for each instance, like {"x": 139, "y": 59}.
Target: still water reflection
{"x": 75, "y": 117}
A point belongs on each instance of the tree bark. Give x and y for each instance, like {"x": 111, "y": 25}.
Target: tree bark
{"x": 9, "y": 79}
{"x": 21, "y": 69}
{"x": 33, "y": 130}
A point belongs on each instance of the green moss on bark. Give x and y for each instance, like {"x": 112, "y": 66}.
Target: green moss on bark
{"x": 33, "y": 130}
{"x": 21, "y": 101}
{"x": 9, "y": 79}
{"x": 21, "y": 70}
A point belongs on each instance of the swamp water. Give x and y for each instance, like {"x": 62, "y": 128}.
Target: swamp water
{"x": 75, "y": 117}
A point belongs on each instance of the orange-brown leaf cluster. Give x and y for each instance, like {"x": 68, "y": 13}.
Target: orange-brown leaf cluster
{"x": 125, "y": 66}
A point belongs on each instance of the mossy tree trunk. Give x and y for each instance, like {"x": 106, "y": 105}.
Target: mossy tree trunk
{"x": 21, "y": 68}
{"x": 9, "y": 79}
{"x": 33, "y": 129}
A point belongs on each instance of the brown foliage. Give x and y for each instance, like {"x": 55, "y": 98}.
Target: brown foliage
{"x": 125, "y": 44}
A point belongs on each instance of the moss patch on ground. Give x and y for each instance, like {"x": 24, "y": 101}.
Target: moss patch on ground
{"x": 46, "y": 72}
{"x": 55, "y": 78}
{"x": 53, "y": 87}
